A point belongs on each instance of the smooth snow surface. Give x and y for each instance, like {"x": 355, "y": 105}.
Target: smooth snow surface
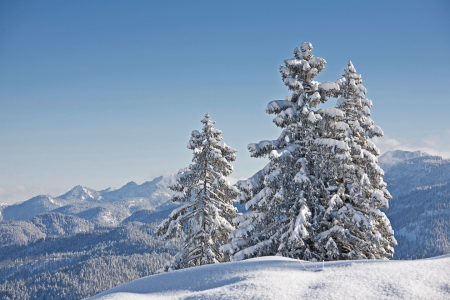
{"x": 284, "y": 278}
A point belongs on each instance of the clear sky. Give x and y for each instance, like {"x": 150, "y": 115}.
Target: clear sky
{"x": 100, "y": 93}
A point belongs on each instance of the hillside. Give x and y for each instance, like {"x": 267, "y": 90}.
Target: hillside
{"x": 420, "y": 208}
{"x": 79, "y": 265}
{"x": 284, "y": 278}
{"x": 421, "y": 220}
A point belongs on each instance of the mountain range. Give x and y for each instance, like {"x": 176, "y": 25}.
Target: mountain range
{"x": 84, "y": 241}
{"x": 104, "y": 208}
{"x": 419, "y": 211}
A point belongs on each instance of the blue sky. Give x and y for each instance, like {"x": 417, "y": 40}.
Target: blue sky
{"x": 100, "y": 93}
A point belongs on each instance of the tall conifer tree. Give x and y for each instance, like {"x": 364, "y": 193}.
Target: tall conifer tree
{"x": 320, "y": 194}
{"x": 282, "y": 197}
{"x": 355, "y": 227}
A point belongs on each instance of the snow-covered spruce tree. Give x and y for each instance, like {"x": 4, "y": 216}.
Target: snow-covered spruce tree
{"x": 283, "y": 197}
{"x": 354, "y": 226}
{"x": 205, "y": 220}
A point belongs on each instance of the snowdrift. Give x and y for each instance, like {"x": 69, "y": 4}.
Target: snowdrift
{"x": 284, "y": 278}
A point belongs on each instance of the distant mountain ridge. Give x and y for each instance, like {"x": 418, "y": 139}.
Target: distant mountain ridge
{"x": 420, "y": 208}
{"x": 105, "y": 208}
{"x": 392, "y": 158}
{"x": 406, "y": 170}
{"x": 30, "y": 208}
{"x": 41, "y": 226}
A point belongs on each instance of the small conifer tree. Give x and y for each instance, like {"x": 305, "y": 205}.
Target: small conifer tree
{"x": 204, "y": 221}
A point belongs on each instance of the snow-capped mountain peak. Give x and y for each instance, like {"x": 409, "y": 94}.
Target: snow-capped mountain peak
{"x": 80, "y": 193}
{"x": 130, "y": 184}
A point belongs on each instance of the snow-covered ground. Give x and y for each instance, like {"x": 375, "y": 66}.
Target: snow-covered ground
{"x": 284, "y": 278}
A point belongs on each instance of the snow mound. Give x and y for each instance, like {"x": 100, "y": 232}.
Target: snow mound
{"x": 285, "y": 278}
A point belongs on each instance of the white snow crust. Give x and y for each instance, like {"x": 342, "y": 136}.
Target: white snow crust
{"x": 329, "y": 86}
{"x": 277, "y": 277}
